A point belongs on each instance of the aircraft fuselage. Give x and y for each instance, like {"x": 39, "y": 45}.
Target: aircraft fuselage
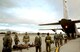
{"x": 68, "y": 26}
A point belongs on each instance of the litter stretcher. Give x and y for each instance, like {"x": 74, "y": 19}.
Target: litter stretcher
{"x": 22, "y": 46}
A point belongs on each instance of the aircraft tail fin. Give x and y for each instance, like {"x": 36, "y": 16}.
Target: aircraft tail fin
{"x": 65, "y": 13}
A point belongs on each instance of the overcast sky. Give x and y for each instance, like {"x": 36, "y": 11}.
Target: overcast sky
{"x": 27, "y": 14}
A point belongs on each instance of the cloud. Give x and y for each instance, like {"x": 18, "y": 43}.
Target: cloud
{"x": 6, "y": 4}
{"x": 34, "y": 14}
{"x": 24, "y": 15}
{"x": 36, "y": 11}
{"x": 19, "y": 27}
{"x": 13, "y": 20}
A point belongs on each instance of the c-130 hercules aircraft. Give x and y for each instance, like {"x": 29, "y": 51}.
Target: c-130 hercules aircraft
{"x": 68, "y": 26}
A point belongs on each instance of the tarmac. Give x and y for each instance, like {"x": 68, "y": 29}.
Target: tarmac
{"x": 32, "y": 49}
{"x": 71, "y": 46}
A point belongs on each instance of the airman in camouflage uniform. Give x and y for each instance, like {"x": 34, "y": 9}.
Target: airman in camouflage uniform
{"x": 16, "y": 39}
{"x": 56, "y": 40}
{"x": 61, "y": 39}
{"x": 48, "y": 43}
{"x": 7, "y": 42}
{"x": 65, "y": 39}
{"x": 26, "y": 38}
{"x": 38, "y": 42}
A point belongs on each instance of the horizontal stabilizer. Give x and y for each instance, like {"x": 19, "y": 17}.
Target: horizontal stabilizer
{"x": 78, "y": 28}
{"x": 76, "y": 21}
{"x": 50, "y": 24}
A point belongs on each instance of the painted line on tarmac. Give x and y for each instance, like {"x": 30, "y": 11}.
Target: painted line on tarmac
{"x": 57, "y": 49}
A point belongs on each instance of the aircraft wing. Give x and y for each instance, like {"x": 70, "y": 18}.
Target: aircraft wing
{"x": 52, "y": 29}
{"x": 76, "y": 21}
{"x": 50, "y": 24}
{"x": 78, "y": 28}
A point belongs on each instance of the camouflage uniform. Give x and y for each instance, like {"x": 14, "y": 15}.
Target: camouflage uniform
{"x": 48, "y": 43}
{"x": 7, "y": 43}
{"x": 61, "y": 38}
{"x": 65, "y": 39}
{"x": 56, "y": 40}
{"x": 16, "y": 39}
{"x": 38, "y": 43}
{"x": 26, "y": 38}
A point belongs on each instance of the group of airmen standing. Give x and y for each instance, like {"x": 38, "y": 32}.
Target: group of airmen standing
{"x": 58, "y": 39}
{"x": 7, "y": 41}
